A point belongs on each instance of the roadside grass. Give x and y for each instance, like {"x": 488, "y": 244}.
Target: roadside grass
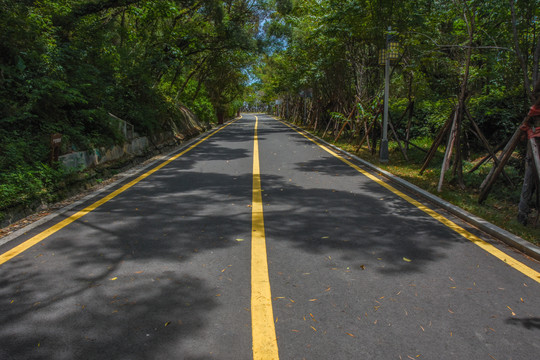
{"x": 500, "y": 208}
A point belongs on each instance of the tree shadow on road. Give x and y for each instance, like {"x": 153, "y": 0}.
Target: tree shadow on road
{"x": 140, "y": 276}
{"x": 528, "y": 323}
{"x": 367, "y": 223}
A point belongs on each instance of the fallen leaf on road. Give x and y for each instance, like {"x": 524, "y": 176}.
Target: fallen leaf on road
{"x": 351, "y": 335}
{"x": 239, "y": 239}
{"x": 313, "y": 328}
{"x": 327, "y": 289}
{"x": 167, "y": 323}
{"x": 513, "y": 313}
{"x": 407, "y": 260}
{"x": 312, "y": 299}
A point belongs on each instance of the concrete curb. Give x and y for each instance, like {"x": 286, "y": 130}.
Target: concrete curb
{"x": 125, "y": 175}
{"x": 495, "y": 231}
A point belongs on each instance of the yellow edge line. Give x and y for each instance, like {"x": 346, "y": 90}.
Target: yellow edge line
{"x": 46, "y": 233}
{"x": 262, "y": 318}
{"x": 524, "y": 269}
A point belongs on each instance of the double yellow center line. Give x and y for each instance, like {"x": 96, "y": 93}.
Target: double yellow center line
{"x": 262, "y": 318}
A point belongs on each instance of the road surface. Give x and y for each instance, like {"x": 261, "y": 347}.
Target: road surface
{"x": 255, "y": 242}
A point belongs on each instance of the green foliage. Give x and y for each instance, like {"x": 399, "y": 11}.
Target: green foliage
{"x": 332, "y": 47}
{"x": 201, "y": 104}
{"x": 339, "y": 117}
{"x": 65, "y": 65}
{"x": 498, "y": 111}
{"x": 28, "y": 183}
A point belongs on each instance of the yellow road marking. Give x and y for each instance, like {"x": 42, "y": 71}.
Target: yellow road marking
{"x": 46, "y": 233}
{"x": 524, "y": 269}
{"x": 262, "y": 318}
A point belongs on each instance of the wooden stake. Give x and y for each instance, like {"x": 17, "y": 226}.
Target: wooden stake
{"x": 345, "y": 124}
{"x": 409, "y": 123}
{"x": 449, "y": 148}
{"x": 369, "y": 130}
{"x": 487, "y": 157}
{"x": 488, "y": 182}
{"x": 327, "y": 127}
{"x": 435, "y": 145}
{"x": 397, "y": 139}
{"x": 414, "y": 145}
{"x": 367, "y": 136}
{"x": 483, "y": 139}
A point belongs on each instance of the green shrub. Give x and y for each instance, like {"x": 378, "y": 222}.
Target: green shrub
{"x": 26, "y": 184}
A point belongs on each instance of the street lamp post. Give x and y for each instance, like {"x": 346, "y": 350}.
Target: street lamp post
{"x": 391, "y": 52}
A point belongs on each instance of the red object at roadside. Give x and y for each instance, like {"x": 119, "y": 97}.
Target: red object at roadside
{"x": 535, "y": 111}
{"x": 531, "y": 132}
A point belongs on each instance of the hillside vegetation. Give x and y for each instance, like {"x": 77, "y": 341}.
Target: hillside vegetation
{"x": 65, "y": 66}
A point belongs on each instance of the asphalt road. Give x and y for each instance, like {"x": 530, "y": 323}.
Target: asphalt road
{"x": 165, "y": 267}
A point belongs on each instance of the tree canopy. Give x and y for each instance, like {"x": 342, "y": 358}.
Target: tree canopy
{"x": 65, "y": 65}
{"x": 332, "y": 47}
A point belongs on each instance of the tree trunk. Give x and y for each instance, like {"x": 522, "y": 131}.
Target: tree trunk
{"x": 220, "y": 116}
{"x": 522, "y": 62}
{"x": 527, "y": 189}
